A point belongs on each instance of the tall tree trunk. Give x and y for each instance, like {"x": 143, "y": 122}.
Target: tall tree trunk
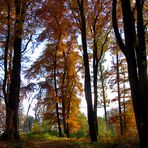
{"x": 11, "y": 130}
{"x": 124, "y": 106}
{"x": 88, "y": 93}
{"x": 5, "y": 81}
{"x": 133, "y": 57}
{"x": 68, "y": 112}
{"x": 95, "y": 81}
{"x": 119, "y": 96}
{"x": 63, "y": 98}
{"x": 142, "y": 65}
{"x": 58, "y": 120}
{"x": 56, "y": 90}
{"x": 103, "y": 92}
{"x": 64, "y": 115}
{"x": 137, "y": 104}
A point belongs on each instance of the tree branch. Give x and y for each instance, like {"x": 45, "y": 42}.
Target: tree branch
{"x": 115, "y": 27}
{"x": 103, "y": 45}
{"x": 1, "y": 97}
{"x": 27, "y": 43}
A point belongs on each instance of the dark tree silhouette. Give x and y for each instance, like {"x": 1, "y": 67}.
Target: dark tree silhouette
{"x": 12, "y": 100}
{"x": 88, "y": 93}
{"x": 134, "y": 50}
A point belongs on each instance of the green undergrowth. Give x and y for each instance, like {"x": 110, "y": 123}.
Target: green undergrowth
{"x": 42, "y": 137}
{"x": 103, "y": 141}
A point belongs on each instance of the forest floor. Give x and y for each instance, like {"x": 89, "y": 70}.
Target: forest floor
{"x": 64, "y": 144}
{"x": 70, "y": 143}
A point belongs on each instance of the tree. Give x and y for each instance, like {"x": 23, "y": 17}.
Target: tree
{"x": 119, "y": 94}
{"x": 134, "y": 50}
{"x": 2, "y": 116}
{"x": 87, "y": 85}
{"x": 60, "y": 31}
{"x": 98, "y": 22}
{"x": 83, "y": 130}
{"x": 27, "y": 126}
{"x": 113, "y": 120}
{"x": 13, "y": 41}
{"x": 119, "y": 85}
{"x": 59, "y": 64}
{"x": 67, "y": 81}
{"x": 102, "y": 80}
{"x": 12, "y": 100}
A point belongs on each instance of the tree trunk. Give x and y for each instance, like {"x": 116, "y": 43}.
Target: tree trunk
{"x": 119, "y": 96}
{"x": 68, "y": 112}
{"x": 135, "y": 65}
{"x": 124, "y": 106}
{"x": 11, "y": 130}
{"x": 5, "y": 81}
{"x": 137, "y": 95}
{"x": 103, "y": 93}
{"x": 56, "y": 93}
{"x": 64, "y": 95}
{"x": 95, "y": 81}
{"x": 58, "y": 120}
{"x": 142, "y": 65}
{"x": 63, "y": 102}
{"x": 64, "y": 116}
{"x": 137, "y": 104}
{"x": 88, "y": 94}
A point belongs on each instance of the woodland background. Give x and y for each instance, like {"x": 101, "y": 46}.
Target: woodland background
{"x": 55, "y": 53}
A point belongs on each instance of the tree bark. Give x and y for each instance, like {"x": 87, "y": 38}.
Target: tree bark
{"x": 135, "y": 59}
{"x": 119, "y": 96}
{"x": 5, "y": 81}
{"x": 103, "y": 92}
{"x": 124, "y": 105}
{"x": 88, "y": 94}
{"x": 63, "y": 96}
{"x": 55, "y": 87}
{"x": 95, "y": 82}
{"x": 12, "y": 105}
{"x": 142, "y": 65}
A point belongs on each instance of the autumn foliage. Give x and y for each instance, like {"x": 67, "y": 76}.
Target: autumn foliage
{"x": 56, "y": 54}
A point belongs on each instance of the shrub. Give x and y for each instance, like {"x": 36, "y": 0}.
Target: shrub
{"x": 36, "y": 128}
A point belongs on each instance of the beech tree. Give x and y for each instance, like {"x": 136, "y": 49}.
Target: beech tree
{"x": 98, "y": 32}
{"x": 119, "y": 85}
{"x": 102, "y": 80}
{"x": 87, "y": 84}
{"x": 93, "y": 12}
{"x": 12, "y": 99}
{"x": 130, "y": 128}
{"x": 134, "y": 50}
{"x": 68, "y": 86}
{"x": 14, "y": 35}
{"x": 61, "y": 61}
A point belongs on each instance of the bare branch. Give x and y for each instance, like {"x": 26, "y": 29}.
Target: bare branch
{"x": 1, "y": 97}
{"x": 103, "y": 45}
{"x": 27, "y": 43}
{"x": 29, "y": 3}
{"x": 115, "y": 27}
